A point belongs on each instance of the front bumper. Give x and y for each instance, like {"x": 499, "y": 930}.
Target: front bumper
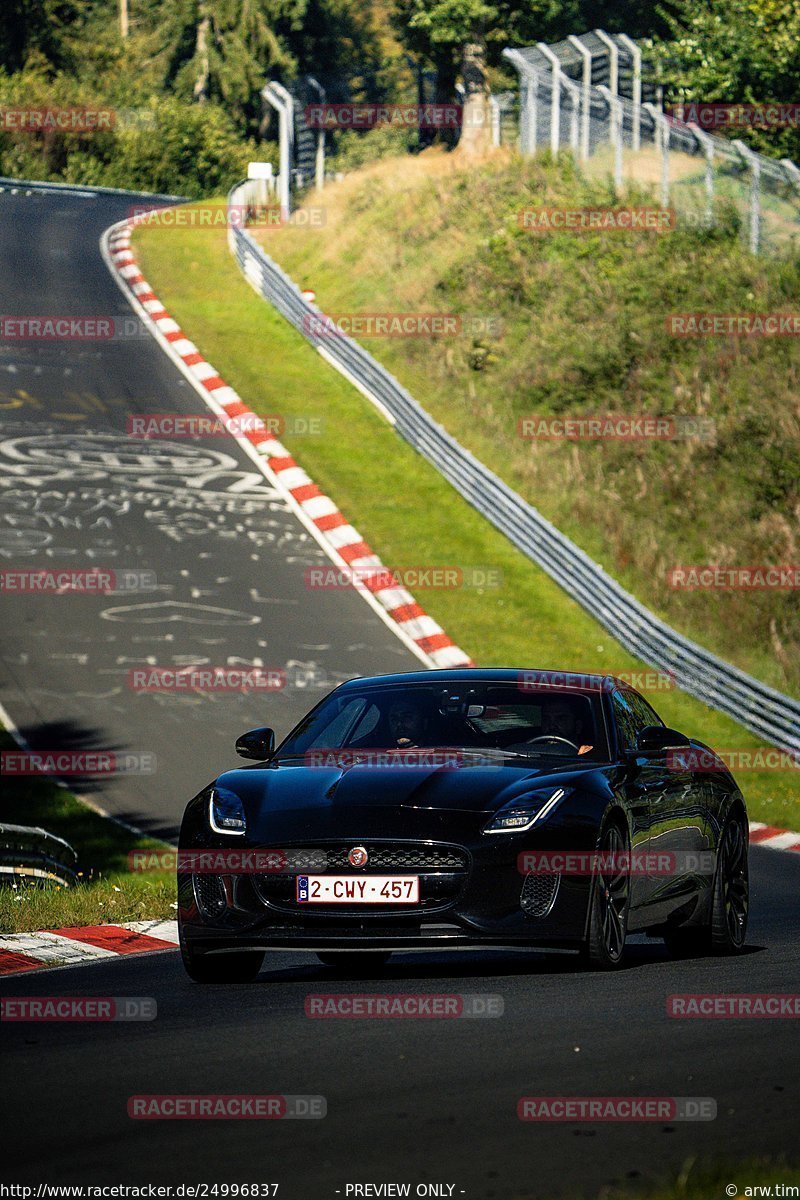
{"x": 485, "y": 901}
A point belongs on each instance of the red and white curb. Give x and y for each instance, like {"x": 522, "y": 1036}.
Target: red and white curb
{"x": 87, "y": 943}
{"x": 341, "y": 541}
{"x": 772, "y": 838}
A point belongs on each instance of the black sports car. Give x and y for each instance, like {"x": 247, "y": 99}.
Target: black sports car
{"x": 473, "y": 808}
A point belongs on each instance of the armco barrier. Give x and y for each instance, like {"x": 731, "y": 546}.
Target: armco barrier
{"x": 761, "y": 709}
{"x": 33, "y": 853}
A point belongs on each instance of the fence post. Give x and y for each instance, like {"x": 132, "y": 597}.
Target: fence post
{"x": 615, "y": 129}
{"x": 574, "y": 93}
{"x": 319, "y": 161}
{"x": 555, "y": 97}
{"x": 533, "y": 108}
{"x": 751, "y": 161}
{"x": 706, "y": 144}
{"x": 586, "y": 55}
{"x": 277, "y": 96}
{"x": 495, "y": 107}
{"x": 529, "y": 99}
{"x": 636, "y": 56}
{"x": 662, "y": 127}
{"x": 613, "y": 60}
{"x": 792, "y": 172}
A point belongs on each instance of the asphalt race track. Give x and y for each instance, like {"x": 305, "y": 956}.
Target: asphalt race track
{"x": 412, "y": 1100}
{"x": 77, "y": 491}
{"x": 408, "y": 1101}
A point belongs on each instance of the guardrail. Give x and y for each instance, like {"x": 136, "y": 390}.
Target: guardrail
{"x": 33, "y": 853}
{"x": 760, "y": 708}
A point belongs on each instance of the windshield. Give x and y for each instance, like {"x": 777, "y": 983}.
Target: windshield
{"x": 490, "y": 717}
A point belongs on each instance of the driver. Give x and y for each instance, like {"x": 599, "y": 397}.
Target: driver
{"x": 407, "y": 725}
{"x": 561, "y": 719}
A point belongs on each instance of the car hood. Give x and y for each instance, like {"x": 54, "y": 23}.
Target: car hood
{"x": 320, "y": 798}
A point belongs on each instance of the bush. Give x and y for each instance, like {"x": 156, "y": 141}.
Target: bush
{"x": 165, "y": 146}
{"x": 352, "y": 149}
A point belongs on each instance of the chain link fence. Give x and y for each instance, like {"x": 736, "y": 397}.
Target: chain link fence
{"x": 593, "y": 95}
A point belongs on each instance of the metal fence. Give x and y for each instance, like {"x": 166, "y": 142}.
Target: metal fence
{"x": 34, "y": 854}
{"x": 592, "y": 95}
{"x": 761, "y": 709}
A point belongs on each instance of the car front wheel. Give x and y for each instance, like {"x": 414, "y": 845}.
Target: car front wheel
{"x": 604, "y": 946}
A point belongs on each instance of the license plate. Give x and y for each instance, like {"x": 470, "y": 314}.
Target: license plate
{"x": 353, "y": 889}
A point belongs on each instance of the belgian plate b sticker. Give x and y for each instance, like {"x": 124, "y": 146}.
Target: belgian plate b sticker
{"x": 302, "y": 887}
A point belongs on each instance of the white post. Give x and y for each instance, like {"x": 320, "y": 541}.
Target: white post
{"x": 586, "y": 55}
{"x": 555, "y": 97}
{"x": 706, "y": 144}
{"x": 574, "y": 93}
{"x": 792, "y": 172}
{"x": 259, "y": 177}
{"x": 615, "y": 125}
{"x": 613, "y": 60}
{"x": 529, "y": 99}
{"x": 495, "y": 107}
{"x": 532, "y": 107}
{"x": 662, "y": 127}
{"x": 319, "y": 160}
{"x": 754, "y": 167}
{"x": 636, "y": 56}
{"x": 282, "y": 102}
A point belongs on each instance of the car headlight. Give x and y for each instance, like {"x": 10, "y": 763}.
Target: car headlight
{"x": 226, "y": 812}
{"x": 521, "y": 814}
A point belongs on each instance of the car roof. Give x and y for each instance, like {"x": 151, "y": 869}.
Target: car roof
{"x": 560, "y": 680}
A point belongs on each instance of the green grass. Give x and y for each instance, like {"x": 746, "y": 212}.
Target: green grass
{"x": 106, "y": 891}
{"x": 399, "y": 503}
{"x": 584, "y": 332}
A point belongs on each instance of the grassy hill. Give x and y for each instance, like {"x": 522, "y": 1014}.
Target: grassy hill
{"x": 584, "y": 332}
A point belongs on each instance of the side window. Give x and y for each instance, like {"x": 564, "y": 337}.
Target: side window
{"x": 644, "y": 714}
{"x": 627, "y": 724}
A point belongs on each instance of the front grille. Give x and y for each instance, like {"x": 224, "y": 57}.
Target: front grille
{"x": 442, "y": 869}
{"x": 538, "y": 894}
{"x": 402, "y": 858}
{"x": 389, "y": 856}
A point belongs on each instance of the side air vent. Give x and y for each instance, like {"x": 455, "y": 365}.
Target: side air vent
{"x": 538, "y": 894}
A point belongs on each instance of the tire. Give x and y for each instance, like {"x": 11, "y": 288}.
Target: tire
{"x": 603, "y": 948}
{"x": 731, "y": 902}
{"x": 725, "y": 929}
{"x": 358, "y": 962}
{"x": 239, "y": 967}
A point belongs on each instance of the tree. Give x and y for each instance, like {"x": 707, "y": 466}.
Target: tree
{"x": 40, "y": 29}
{"x": 436, "y": 31}
{"x": 741, "y": 51}
{"x": 224, "y": 50}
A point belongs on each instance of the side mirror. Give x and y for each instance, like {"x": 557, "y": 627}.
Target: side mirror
{"x": 258, "y": 743}
{"x": 655, "y": 738}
